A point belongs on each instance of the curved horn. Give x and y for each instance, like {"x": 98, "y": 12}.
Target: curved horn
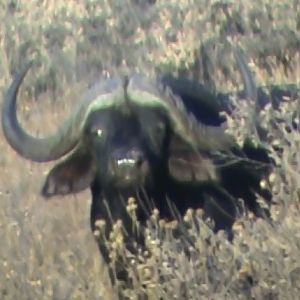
{"x": 250, "y": 89}
{"x": 67, "y": 136}
{"x": 248, "y": 80}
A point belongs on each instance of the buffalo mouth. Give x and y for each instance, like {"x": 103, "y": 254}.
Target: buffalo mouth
{"x": 127, "y": 173}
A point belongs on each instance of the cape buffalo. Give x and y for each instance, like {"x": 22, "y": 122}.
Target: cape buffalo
{"x": 134, "y": 137}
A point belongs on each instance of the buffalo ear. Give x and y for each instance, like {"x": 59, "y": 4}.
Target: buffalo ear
{"x": 72, "y": 175}
{"x": 188, "y": 165}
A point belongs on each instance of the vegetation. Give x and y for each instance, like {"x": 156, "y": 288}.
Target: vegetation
{"x": 47, "y": 250}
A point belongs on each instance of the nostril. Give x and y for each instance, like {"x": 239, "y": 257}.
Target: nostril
{"x": 139, "y": 162}
{"x": 136, "y": 156}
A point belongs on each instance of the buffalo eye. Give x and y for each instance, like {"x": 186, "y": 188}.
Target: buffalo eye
{"x": 98, "y": 132}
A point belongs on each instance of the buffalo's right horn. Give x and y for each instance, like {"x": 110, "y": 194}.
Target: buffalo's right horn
{"x": 45, "y": 149}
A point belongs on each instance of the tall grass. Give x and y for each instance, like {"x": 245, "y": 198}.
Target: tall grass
{"x": 47, "y": 250}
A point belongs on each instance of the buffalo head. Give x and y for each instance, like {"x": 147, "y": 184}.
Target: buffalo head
{"x": 124, "y": 132}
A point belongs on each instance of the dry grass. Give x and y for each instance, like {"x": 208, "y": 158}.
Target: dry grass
{"x": 47, "y": 250}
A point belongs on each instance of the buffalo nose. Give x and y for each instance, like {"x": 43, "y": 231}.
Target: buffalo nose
{"x": 128, "y": 158}
{"x": 127, "y": 168}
